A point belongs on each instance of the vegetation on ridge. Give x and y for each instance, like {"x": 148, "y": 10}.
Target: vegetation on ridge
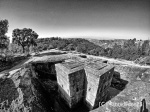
{"x": 4, "y": 40}
{"x": 130, "y": 50}
{"x": 25, "y": 39}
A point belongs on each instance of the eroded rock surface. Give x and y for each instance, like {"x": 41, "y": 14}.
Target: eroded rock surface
{"x": 23, "y": 92}
{"x": 31, "y": 86}
{"x": 29, "y": 89}
{"x": 136, "y": 91}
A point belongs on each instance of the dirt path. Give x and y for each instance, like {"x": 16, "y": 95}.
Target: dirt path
{"x": 124, "y": 62}
{"x": 44, "y": 56}
{"x": 17, "y": 67}
{"x": 14, "y": 69}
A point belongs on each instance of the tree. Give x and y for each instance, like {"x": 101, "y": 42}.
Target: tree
{"x": 3, "y": 27}
{"x": 82, "y": 48}
{"x": 145, "y": 47}
{"x": 108, "y": 51}
{"x": 70, "y": 47}
{"x": 24, "y": 37}
{"x": 4, "y": 40}
{"x": 129, "y": 43}
{"x": 116, "y": 51}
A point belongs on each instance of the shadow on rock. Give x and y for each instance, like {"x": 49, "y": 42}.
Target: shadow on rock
{"x": 8, "y": 92}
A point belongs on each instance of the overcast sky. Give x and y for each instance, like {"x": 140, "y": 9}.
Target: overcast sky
{"x": 79, "y": 18}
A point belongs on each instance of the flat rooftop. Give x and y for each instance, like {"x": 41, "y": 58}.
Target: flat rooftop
{"x": 72, "y": 64}
{"x": 97, "y": 68}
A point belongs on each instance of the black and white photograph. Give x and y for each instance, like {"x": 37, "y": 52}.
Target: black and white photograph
{"x": 74, "y": 55}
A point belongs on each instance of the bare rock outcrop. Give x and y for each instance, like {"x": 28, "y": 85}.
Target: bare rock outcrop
{"x": 136, "y": 91}
{"x": 23, "y": 92}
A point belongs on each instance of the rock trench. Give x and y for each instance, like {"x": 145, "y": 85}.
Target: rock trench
{"x": 34, "y": 89}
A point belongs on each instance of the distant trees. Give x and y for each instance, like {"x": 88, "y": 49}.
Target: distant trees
{"x": 70, "y": 47}
{"x": 4, "y": 40}
{"x": 97, "y": 51}
{"x": 78, "y": 44}
{"x": 128, "y": 49}
{"x": 82, "y": 48}
{"x": 24, "y": 37}
{"x": 129, "y": 43}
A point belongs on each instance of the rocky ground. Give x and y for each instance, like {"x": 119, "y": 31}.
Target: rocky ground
{"x": 137, "y": 89}
{"x": 22, "y": 89}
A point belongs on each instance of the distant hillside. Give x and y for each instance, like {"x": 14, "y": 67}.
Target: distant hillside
{"x": 119, "y": 48}
{"x": 107, "y": 43}
{"x": 131, "y": 49}
{"x": 78, "y": 44}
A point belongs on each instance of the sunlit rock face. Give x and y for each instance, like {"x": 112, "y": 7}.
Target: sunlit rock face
{"x": 8, "y": 93}
{"x": 30, "y": 88}
{"x": 136, "y": 95}
{"x": 98, "y": 77}
{"x": 129, "y": 100}
{"x": 130, "y": 73}
{"x": 71, "y": 78}
{"x": 23, "y": 93}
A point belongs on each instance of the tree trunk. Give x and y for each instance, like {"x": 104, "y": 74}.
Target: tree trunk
{"x": 23, "y": 49}
{"x": 28, "y": 50}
